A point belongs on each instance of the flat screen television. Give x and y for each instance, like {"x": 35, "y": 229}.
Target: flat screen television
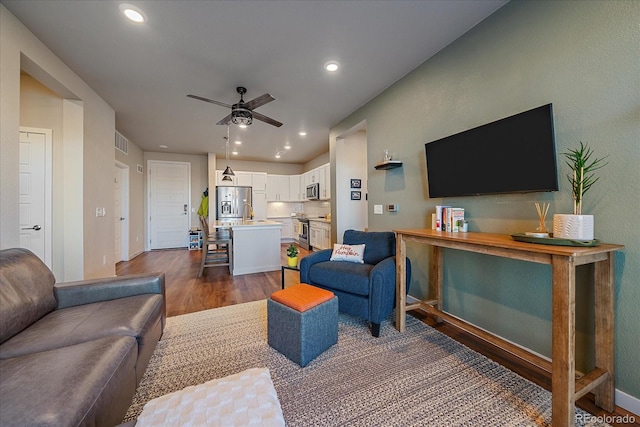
{"x": 516, "y": 154}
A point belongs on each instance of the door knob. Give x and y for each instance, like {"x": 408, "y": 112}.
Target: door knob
{"x": 35, "y": 227}
{"x": 121, "y": 219}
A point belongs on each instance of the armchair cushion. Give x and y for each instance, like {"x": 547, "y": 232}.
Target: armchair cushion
{"x": 343, "y": 276}
{"x": 379, "y": 244}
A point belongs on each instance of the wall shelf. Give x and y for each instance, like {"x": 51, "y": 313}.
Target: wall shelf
{"x": 389, "y": 164}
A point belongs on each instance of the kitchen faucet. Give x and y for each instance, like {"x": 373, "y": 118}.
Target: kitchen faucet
{"x": 246, "y": 214}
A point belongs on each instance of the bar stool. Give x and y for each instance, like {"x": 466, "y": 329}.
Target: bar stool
{"x": 217, "y": 248}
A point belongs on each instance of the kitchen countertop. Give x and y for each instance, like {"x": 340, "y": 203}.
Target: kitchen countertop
{"x": 239, "y": 223}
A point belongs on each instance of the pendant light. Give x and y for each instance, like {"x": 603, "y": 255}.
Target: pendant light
{"x": 228, "y": 173}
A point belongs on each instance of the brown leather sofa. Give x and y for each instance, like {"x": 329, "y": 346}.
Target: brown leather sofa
{"x": 72, "y": 354}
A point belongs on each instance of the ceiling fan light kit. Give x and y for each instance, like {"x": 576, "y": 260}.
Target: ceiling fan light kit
{"x": 242, "y": 113}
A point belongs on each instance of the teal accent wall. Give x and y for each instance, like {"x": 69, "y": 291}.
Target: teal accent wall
{"x": 584, "y": 58}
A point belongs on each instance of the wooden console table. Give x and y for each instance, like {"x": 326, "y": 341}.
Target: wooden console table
{"x": 566, "y": 389}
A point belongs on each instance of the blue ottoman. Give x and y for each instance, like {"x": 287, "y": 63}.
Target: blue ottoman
{"x": 302, "y": 322}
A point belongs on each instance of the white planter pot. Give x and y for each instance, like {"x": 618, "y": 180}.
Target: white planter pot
{"x": 568, "y": 226}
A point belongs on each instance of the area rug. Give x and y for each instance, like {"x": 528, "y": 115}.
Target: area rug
{"x": 417, "y": 378}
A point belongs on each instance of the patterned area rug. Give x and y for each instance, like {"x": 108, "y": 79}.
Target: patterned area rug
{"x": 420, "y": 377}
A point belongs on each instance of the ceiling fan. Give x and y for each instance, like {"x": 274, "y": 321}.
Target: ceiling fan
{"x": 242, "y": 113}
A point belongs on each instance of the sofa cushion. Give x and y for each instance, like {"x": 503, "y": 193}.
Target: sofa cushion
{"x": 26, "y": 291}
{"x": 345, "y": 276}
{"x": 130, "y": 316}
{"x": 379, "y": 244}
{"x": 85, "y": 384}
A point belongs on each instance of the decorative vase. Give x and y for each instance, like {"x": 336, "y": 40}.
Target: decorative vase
{"x": 569, "y": 226}
{"x": 292, "y": 261}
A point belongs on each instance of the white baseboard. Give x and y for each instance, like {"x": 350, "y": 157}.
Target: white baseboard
{"x": 135, "y": 254}
{"x": 628, "y": 402}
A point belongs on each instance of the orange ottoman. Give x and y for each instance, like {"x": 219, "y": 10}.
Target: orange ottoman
{"x": 302, "y": 322}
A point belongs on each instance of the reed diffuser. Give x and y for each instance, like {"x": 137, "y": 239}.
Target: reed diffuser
{"x": 542, "y": 216}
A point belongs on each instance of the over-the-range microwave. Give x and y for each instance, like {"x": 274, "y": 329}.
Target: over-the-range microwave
{"x": 313, "y": 191}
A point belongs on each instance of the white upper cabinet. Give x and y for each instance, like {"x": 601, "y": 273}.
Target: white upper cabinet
{"x": 256, "y": 180}
{"x": 259, "y": 181}
{"x": 295, "y": 192}
{"x": 278, "y": 188}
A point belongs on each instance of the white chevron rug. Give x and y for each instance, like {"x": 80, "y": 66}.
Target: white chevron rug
{"x": 417, "y": 378}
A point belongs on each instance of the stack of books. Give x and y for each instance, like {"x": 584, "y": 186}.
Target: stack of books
{"x": 449, "y": 219}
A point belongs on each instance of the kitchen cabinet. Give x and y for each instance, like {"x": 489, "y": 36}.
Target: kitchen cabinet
{"x": 325, "y": 237}
{"x": 325, "y": 182}
{"x": 315, "y": 233}
{"x": 259, "y": 181}
{"x": 320, "y": 234}
{"x": 286, "y": 232}
{"x": 241, "y": 179}
{"x": 259, "y": 204}
{"x": 296, "y": 229}
{"x": 295, "y": 190}
{"x": 278, "y": 188}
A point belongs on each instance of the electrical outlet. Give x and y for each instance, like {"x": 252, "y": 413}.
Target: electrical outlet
{"x": 104, "y": 260}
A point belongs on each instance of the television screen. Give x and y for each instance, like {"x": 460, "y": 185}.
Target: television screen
{"x": 516, "y": 154}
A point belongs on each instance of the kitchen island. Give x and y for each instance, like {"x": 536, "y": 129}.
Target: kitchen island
{"x": 256, "y": 245}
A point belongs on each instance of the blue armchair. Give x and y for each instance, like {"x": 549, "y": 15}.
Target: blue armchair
{"x": 364, "y": 290}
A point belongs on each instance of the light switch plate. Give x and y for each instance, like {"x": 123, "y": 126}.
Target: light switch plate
{"x": 377, "y": 209}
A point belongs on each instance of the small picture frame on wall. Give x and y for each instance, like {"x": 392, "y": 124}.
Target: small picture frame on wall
{"x": 356, "y": 183}
{"x": 356, "y": 195}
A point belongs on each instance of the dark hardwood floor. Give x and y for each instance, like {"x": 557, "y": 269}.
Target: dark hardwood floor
{"x": 187, "y": 293}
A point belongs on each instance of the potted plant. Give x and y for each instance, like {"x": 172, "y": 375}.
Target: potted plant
{"x": 292, "y": 255}
{"x": 581, "y": 178}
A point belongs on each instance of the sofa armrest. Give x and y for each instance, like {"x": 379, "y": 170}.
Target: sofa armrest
{"x": 88, "y": 291}
{"x": 309, "y": 260}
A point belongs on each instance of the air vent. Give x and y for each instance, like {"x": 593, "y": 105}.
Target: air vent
{"x": 122, "y": 143}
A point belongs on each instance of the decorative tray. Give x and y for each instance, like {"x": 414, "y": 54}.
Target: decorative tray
{"x": 522, "y": 237}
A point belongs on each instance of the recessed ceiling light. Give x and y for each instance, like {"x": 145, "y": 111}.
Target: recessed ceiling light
{"x": 238, "y": 142}
{"x": 287, "y": 147}
{"x": 133, "y": 13}
{"x": 242, "y": 126}
{"x": 332, "y": 66}
{"x": 277, "y": 156}
{"x": 163, "y": 146}
{"x": 302, "y": 133}
{"x": 234, "y": 152}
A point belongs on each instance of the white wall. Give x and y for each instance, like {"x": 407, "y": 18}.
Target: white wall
{"x": 351, "y": 163}
{"x": 87, "y": 239}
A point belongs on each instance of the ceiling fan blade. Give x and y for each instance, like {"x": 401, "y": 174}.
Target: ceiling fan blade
{"x": 225, "y": 121}
{"x": 222, "y": 104}
{"x": 261, "y": 100}
{"x": 266, "y": 119}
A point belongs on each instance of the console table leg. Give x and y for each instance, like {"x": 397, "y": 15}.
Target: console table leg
{"x": 604, "y": 331}
{"x": 401, "y": 283}
{"x": 437, "y": 273}
{"x": 563, "y": 341}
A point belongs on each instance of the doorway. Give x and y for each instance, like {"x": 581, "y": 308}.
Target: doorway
{"x": 35, "y": 191}
{"x": 169, "y": 202}
{"x": 121, "y": 211}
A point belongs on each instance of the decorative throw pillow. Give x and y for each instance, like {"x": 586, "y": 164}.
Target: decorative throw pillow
{"x": 350, "y": 253}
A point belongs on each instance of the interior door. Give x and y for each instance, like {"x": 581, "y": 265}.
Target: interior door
{"x": 35, "y": 192}
{"x": 169, "y": 204}
{"x": 121, "y": 211}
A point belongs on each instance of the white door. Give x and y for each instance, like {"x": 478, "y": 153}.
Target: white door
{"x": 169, "y": 204}
{"x": 121, "y": 211}
{"x": 35, "y": 192}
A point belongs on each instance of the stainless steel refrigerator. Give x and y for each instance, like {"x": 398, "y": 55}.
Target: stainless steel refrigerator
{"x": 233, "y": 202}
